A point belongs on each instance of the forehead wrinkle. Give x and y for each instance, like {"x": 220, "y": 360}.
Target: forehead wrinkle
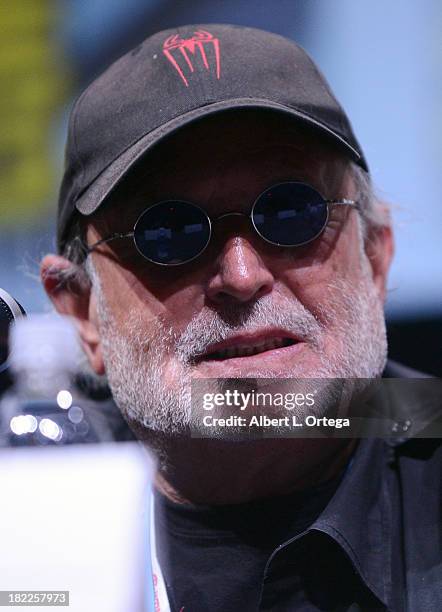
{"x": 281, "y": 162}
{"x": 274, "y": 151}
{"x": 311, "y": 160}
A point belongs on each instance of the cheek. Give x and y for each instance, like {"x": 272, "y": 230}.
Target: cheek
{"x": 127, "y": 298}
{"x": 150, "y": 297}
{"x": 180, "y": 307}
{"x": 312, "y": 279}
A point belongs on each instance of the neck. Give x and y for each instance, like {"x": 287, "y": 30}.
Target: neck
{"x": 215, "y": 472}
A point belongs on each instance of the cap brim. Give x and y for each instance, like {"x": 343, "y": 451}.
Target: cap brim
{"x": 95, "y": 194}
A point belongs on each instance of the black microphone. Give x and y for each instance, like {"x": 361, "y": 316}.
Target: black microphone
{"x": 10, "y": 311}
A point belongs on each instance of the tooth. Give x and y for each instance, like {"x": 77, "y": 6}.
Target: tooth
{"x": 245, "y": 351}
{"x": 271, "y": 345}
{"x": 260, "y": 347}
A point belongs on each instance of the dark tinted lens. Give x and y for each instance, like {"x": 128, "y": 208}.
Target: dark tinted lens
{"x": 172, "y": 232}
{"x": 290, "y": 214}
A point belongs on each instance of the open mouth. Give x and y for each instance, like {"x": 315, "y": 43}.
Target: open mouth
{"x": 247, "y": 349}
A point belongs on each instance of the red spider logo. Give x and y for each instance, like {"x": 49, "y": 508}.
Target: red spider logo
{"x": 177, "y": 49}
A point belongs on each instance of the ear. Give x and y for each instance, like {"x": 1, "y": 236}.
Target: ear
{"x": 77, "y": 300}
{"x": 379, "y": 248}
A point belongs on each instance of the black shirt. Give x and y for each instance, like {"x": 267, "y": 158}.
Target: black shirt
{"x": 214, "y": 557}
{"x": 381, "y": 530}
{"x": 371, "y": 540}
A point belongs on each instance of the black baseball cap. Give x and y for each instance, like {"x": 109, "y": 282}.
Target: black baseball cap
{"x": 178, "y": 76}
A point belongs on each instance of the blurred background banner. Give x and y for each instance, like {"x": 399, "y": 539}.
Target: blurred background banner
{"x": 34, "y": 76}
{"x": 383, "y": 60}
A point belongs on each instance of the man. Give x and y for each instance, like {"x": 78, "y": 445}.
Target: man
{"x": 217, "y": 221}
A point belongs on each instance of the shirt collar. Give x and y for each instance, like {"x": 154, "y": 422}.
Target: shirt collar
{"x": 358, "y": 517}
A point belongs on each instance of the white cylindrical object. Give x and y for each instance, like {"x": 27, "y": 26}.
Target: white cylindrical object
{"x": 44, "y": 342}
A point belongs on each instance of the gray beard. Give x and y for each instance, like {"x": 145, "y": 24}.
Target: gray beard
{"x": 140, "y": 357}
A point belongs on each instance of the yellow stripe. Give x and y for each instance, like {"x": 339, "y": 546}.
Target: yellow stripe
{"x": 34, "y": 84}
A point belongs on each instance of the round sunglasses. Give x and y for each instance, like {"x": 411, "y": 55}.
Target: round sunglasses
{"x": 175, "y": 232}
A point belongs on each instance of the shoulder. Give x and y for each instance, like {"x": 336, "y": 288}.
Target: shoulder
{"x": 422, "y": 399}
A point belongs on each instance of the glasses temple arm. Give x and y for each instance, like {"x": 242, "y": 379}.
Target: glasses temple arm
{"x": 344, "y": 202}
{"x": 90, "y": 248}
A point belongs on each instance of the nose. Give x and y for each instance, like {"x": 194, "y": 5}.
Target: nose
{"x": 239, "y": 273}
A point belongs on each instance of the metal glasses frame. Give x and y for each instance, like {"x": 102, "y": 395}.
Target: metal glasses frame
{"x": 211, "y": 221}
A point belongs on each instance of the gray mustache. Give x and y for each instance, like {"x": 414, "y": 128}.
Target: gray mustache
{"x": 210, "y": 326}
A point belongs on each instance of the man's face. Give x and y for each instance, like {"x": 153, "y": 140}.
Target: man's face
{"x": 314, "y": 311}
